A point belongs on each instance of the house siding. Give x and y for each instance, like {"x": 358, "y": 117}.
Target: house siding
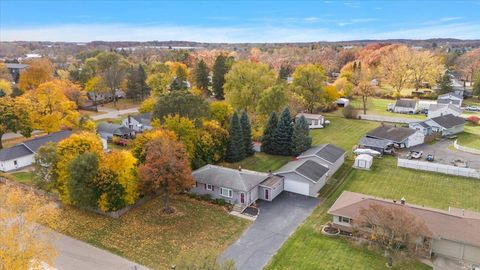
{"x": 273, "y": 191}
{"x": 456, "y": 250}
{"x": 8, "y": 165}
{"x": 250, "y": 196}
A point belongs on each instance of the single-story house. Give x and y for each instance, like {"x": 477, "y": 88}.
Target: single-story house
{"x": 138, "y": 123}
{"x": 385, "y": 136}
{"x": 450, "y": 98}
{"x": 327, "y": 155}
{"x": 423, "y": 105}
{"x": 409, "y": 106}
{"x": 236, "y": 186}
{"x": 22, "y": 155}
{"x": 363, "y": 161}
{"x": 445, "y": 125}
{"x": 454, "y": 234}
{"x": 108, "y": 131}
{"x": 15, "y": 69}
{"x": 314, "y": 120}
{"x": 105, "y": 97}
{"x": 303, "y": 176}
{"x": 436, "y": 110}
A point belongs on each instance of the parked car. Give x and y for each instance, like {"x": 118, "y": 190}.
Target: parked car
{"x": 430, "y": 158}
{"x": 415, "y": 154}
{"x": 473, "y": 108}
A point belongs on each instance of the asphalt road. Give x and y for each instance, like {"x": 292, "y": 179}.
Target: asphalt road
{"x": 276, "y": 222}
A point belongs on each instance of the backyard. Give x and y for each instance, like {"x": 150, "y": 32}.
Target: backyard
{"x": 378, "y": 106}
{"x": 471, "y": 136}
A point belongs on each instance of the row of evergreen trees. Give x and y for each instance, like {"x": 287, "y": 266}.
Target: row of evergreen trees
{"x": 240, "y": 143}
{"x": 282, "y": 137}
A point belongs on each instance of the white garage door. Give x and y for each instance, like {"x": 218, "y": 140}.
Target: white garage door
{"x": 296, "y": 187}
{"x": 447, "y": 248}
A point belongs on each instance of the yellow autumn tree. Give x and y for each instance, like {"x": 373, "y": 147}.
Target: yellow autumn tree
{"x": 37, "y": 72}
{"x": 69, "y": 149}
{"x": 123, "y": 163}
{"x": 24, "y": 243}
{"x": 139, "y": 146}
{"x": 5, "y": 88}
{"x": 51, "y": 109}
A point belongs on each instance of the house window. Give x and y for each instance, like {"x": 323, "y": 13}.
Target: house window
{"x": 226, "y": 192}
{"x": 344, "y": 219}
{"x": 209, "y": 187}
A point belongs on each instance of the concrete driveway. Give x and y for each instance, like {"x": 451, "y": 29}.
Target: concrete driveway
{"x": 276, "y": 222}
{"x": 444, "y": 153}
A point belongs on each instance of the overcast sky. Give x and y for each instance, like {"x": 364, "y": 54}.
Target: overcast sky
{"x": 237, "y": 21}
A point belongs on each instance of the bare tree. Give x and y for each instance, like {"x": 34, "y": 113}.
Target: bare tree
{"x": 394, "y": 229}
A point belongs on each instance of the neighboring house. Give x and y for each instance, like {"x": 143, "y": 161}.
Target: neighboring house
{"x": 454, "y": 233}
{"x": 108, "y": 131}
{"x": 327, "y": 155}
{"x": 236, "y": 186}
{"x": 303, "y": 176}
{"x": 314, "y": 120}
{"x": 139, "y": 123}
{"x": 436, "y": 110}
{"x": 450, "y": 98}
{"x": 385, "y": 137}
{"x": 409, "y": 106}
{"x": 22, "y": 155}
{"x": 445, "y": 125}
{"x": 15, "y": 70}
{"x": 105, "y": 97}
{"x": 423, "y": 105}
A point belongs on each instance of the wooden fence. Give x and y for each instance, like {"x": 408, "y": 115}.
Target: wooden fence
{"x": 439, "y": 168}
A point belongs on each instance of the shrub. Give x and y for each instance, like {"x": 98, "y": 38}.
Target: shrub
{"x": 221, "y": 202}
{"x": 350, "y": 112}
{"x": 206, "y": 197}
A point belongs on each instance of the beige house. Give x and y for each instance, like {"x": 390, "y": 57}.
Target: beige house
{"x": 455, "y": 233}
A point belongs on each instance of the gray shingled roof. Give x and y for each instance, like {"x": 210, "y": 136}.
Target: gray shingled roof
{"x": 392, "y": 133}
{"x": 377, "y": 143}
{"x": 241, "y": 180}
{"x": 436, "y": 107}
{"x": 448, "y": 101}
{"x": 31, "y": 146}
{"x": 309, "y": 169}
{"x": 16, "y": 65}
{"x": 144, "y": 118}
{"x": 14, "y": 152}
{"x": 328, "y": 152}
{"x": 36, "y": 143}
{"x": 449, "y": 96}
{"x": 406, "y": 103}
{"x": 108, "y": 128}
{"x": 448, "y": 121}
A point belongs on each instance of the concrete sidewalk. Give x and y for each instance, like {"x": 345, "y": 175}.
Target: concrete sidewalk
{"x": 77, "y": 255}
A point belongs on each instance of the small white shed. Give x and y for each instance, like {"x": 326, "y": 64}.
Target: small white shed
{"x": 363, "y": 161}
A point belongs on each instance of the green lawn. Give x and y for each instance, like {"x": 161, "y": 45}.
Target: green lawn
{"x": 378, "y": 106}
{"x": 471, "y": 136}
{"x": 308, "y": 249}
{"x": 260, "y": 162}
{"x": 145, "y": 235}
{"x": 24, "y": 177}
{"x": 342, "y": 132}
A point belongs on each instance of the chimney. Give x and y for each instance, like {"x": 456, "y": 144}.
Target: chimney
{"x": 270, "y": 173}
{"x": 240, "y": 168}
{"x": 402, "y": 200}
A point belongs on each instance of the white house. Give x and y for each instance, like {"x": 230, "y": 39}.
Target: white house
{"x": 409, "y": 106}
{"x": 446, "y": 125}
{"x": 314, "y": 120}
{"x": 385, "y": 136}
{"x": 22, "y": 155}
{"x": 139, "y": 123}
{"x": 363, "y": 161}
{"x": 436, "y": 110}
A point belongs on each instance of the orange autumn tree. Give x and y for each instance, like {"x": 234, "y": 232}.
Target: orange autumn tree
{"x": 166, "y": 170}
{"x": 37, "y": 72}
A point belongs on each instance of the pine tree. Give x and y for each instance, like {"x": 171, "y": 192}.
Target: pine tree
{"x": 201, "y": 77}
{"x": 218, "y": 79}
{"x": 267, "y": 138}
{"x": 236, "y": 146}
{"x": 300, "y": 138}
{"x": 282, "y": 137}
{"x": 445, "y": 84}
{"x": 137, "y": 87}
{"x": 247, "y": 134}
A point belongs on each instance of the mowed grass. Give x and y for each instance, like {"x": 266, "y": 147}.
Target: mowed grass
{"x": 471, "y": 136}
{"x": 378, "y": 106}
{"x": 24, "y": 177}
{"x": 342, "y": 132}
{"x": 147, "y": 236}
{"x": 309, "y": 249}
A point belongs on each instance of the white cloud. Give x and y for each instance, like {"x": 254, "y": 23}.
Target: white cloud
{"x": 448, "y": 19}
{"x": 122, "y": 32}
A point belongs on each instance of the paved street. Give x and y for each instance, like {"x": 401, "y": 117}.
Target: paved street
{"x": 276, "y": 222}
{"x": 77, "y": 255}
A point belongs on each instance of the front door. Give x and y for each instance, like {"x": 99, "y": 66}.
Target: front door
{"x": 242, "y": 197}
{"x": 266, "y": 194}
